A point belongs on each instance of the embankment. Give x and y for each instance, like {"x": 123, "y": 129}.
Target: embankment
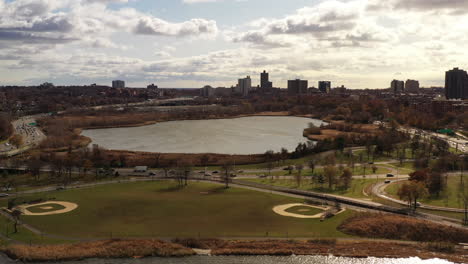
{"x": 98, "y": 249}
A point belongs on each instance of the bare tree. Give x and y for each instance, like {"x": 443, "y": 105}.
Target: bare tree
{"x": 226, "y": 176}
{"x": 16, "y": 217}
{"x": 299, "y": 168}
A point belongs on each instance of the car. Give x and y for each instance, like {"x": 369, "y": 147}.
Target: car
{"x": 152, "y": 174}
{"x": 390, "y": 175}
{"x": 6, "y": 189}
{"x": 4, "y": 195}
{"x": 208, "y": 174}
{"x": 59, "y": 188}
{"x": 241, "y": 171}
{"x": 371, "y": 162}
{"x": 215, "y": 172}
{"x": 387, "y": 181}
{"x": 418, "y": 204}
{"x": 263, "y": 176}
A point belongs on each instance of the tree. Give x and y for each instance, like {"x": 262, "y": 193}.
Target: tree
{"x": 419, "y": 176}
{"x": 284, "y": 154}
{"x": 299, "y": 168}
{"x": 17, "y": 140}
{"x": 374, "y": 169}
{"x": 290, "y": 169}
{"x": 411, "y": 192}
{"x": 435, "y": 184}
{"x": 34, "y": 165}
{"x": 204, "y": 161}
{"x": 226, "y": 176}
{"x": 311, "y": 164}
{"x": 330, "y": 174}
{"x": 16, "y": 217}
{"x": 346, "y": 178}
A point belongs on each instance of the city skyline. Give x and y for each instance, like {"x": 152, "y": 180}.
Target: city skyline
{"x": 191, "y": 43}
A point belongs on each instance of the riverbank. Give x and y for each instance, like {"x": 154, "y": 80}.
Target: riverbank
{"x": 98, "y": 249}
{"x": 216, "y": 247}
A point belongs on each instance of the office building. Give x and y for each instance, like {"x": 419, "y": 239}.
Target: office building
{"x": 244, "y": 86}
{"x": 265, "y": 83}
{"x": 207, "y": 91}
{"x": 397, "y": 86}
{"x": 412, "y": 86}
{"x": 298, "y": 86}
{"x": 324, "y": 86}
{"x": 456, "y": 84}
{"x": 118, "y": 84}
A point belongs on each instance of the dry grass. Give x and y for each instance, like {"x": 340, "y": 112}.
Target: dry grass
{"x": 98, "y": 249}
{"x": 357, "y": 249}
{"x": 402, "y": 228}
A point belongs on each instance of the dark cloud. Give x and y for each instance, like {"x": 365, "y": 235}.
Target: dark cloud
{"x": 51, "y": 24}
{"x": 32, "y": 38}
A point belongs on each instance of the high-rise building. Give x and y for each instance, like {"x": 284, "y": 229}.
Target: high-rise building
{"x": 297, "y": 86}
{"x": 397, "y": 86}
{"x": 244, "y": 86}
{"x": 324, "y": 86}
{"x": 265, "y": 83}
{"x": 118, "y": 84}
{"x": 456, "y": 84}
{"x": 207, "y": 91}
{"x": 412, "y": 86}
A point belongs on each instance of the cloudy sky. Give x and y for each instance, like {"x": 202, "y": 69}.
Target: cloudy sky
{"x": 191, "y": 43}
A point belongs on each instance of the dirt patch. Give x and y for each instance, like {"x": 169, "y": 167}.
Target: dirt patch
{"x": 281, "y": 210}
{"x": 68, "y": 208}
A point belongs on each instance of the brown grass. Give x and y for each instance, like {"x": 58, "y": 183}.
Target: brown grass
{"x": 98, "y": 249}
{"x": 358, "y": 249}
{"x": 402, "y": 228}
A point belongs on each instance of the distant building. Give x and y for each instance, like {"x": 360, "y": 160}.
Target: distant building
{"x": 325, "y": 86}
{"x": 456, "y": 84}
{"x": 207, "y": 91}
{"x": 118, "y": 84}
{"x": 222, "y": 91}
{"x": 397, "y": 86}
{"x": 244, "y": 86}
{"x": 265, "y": 83}
{"x": 298, "y": 86}
{"x": 412, "y": 86}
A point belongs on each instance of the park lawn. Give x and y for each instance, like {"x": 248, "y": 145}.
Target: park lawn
{"x": 304, "y": 210}
{"x": 355, "y": 191}
{"x": 405, "y": 168}
{"x": 448, "y": 198}
{"x": 24, "y": 235}
{"x": 159, "y": 209}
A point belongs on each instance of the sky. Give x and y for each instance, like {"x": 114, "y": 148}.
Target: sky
{"x": 192, "y": 43}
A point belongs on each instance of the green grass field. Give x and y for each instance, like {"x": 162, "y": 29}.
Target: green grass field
{"x": 355, "y": 191}
{"x": 451, "y": 197}
{"x": 158, "y": 209}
